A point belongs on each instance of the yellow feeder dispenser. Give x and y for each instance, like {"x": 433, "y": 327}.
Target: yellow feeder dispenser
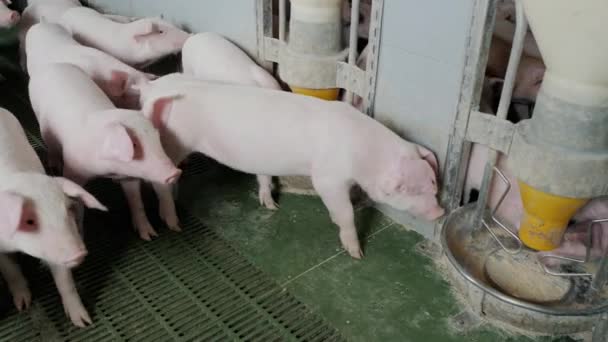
{"x": 308, "y": 60}
{"x": 545, "y": 218}
{"x": 560, "y": 156}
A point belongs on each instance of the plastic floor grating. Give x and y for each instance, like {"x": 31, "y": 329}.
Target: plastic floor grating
{"x": 191, "y": 286}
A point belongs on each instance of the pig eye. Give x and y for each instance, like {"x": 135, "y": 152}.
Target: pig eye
{"x": 30, "y": 222}
{"x": 161, "y": 31}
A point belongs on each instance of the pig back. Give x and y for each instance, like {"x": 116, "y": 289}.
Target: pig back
{"x": 67, "y": 93}
{"x": 16, "y": 153}
{"x": 254, "y": 130}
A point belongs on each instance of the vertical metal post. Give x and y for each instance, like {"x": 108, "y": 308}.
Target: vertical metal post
{"x": 282, "y": 20}
{"x": 480, "y": 33}
{"x": 373, "y": 55}
{"x": 353, "y": 39}
{"x": 600, "y": 280}
{"x": 521, "y": 27}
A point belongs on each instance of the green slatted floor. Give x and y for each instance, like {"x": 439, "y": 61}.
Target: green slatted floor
{"x": 180, "y": 287}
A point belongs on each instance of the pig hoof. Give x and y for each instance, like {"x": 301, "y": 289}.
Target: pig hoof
{"x": 355, "y": 253}
{"x": 351, "y": 245}
{"x": 78, "y": 314}
{"x": 146, "y": 233}
{"x": 267, "y": 201}
{"x": 171, "y": 221}
{"x": 175, "y": 228}
{"x": 22, "y": 297}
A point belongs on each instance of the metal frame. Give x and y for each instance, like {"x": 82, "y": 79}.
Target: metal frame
{"x": 349, "y": 76}
{"x": 479, "y": 39}
{"x": 493, "y": 131}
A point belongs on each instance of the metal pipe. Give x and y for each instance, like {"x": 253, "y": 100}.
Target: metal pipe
{"x": 521, "y": 27}
{"x": 353, "y": 40}
{"x": 282, "y": 20}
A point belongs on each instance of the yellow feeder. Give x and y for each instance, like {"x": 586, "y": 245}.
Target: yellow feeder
{"x": 325, "y": 94}
{"x": 545, "y": 218}
{"x": 313, "y": 47}
{"x": 560, "y": 155}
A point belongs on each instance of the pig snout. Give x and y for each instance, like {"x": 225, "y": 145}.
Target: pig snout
{"x": 434, "y": 213}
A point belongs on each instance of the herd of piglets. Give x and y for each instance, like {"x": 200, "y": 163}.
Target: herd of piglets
{"x": 100, "y": 116}
{"x": 527, "y": 84}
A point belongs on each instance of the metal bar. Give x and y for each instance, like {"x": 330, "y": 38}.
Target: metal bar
{"x": 264, "y": 30}
{"x": 521, "y": 27}
{"x": 600, "y": 280}
{"x": 373, "y": 55}
{"x": 282, "y": 20}
{"x": 500, "y": 224}
{"x": 480, "y": 34}
{"x": 352, "y": 42}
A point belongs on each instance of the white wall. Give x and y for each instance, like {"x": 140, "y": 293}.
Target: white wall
{"x": 422, "y": 54}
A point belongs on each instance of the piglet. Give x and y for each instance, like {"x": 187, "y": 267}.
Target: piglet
{"x": 529, "y": 76}
{"x": 271, "y": 132}
{"x": 8, "y": 17}
{"x": 37, "y": 215}
{"x": 81, "y": 127}
{"x": 209, "y": 56}
{"x": 49, "y": 11}
{"x": 50, "y": 43}
{"x": 137, "y": 43}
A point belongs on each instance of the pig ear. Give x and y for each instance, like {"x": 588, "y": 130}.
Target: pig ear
{"x": 158, "y": 109}
{"x": 15, "y": 214}
{"x": 409, "y": 177}
{"x": 74, "y": 190}
{"x": 118, "y": 144}
{"x": 141, "y": 29}
{"x": 429, "y": 156}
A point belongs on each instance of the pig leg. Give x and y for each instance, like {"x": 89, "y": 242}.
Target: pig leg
{"x": 166, "y": 206}
{"x": 265, "y": 192}
{"x": 336, "y": 197}
{"x": 16, "y": 282}
{"x": 69, "y": 296}
{"x": 138, "y": 212}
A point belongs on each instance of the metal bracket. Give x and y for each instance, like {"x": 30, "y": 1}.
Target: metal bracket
{"x": 351, "y": 78}
{"x": 489, "y": 130}
{"x": 272, "y": 47}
